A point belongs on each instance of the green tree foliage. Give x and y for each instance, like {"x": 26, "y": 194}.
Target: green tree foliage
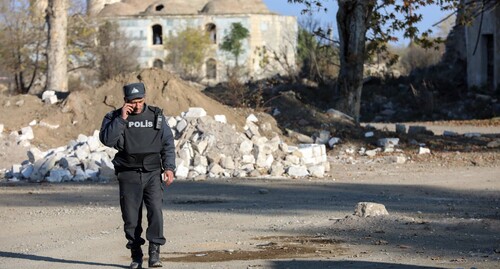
{"x": 23, "y": 39}
{"x": 187, "y": 52}
{"x": 233, "y": 42}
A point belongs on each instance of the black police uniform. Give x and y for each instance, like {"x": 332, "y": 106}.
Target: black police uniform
{"x": 145, "y": 150}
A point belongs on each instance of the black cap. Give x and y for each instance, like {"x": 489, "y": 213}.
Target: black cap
{"x": 134, "y": 91}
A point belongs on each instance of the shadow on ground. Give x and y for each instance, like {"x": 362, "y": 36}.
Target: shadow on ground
{"x": 343, "y": 264}
{"x": 38, "y": 258}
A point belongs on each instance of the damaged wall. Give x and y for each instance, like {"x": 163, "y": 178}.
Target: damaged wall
{"x": 142, "y": 21}
{"x": 482, "y": 39}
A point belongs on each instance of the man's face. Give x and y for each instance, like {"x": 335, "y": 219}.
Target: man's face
{"x": 137, "y": 105}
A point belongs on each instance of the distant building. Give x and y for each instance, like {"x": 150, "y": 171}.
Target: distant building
{"x": 482, "y": 41}
{"x": 148, "y": 22}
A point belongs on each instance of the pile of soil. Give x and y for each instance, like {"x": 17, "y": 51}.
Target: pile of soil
{"x": 82, "y": 112}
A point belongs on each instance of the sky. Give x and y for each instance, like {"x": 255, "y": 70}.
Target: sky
{"x": 432, "y": 14}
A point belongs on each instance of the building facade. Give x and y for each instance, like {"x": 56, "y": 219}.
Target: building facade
{"x": 148, "y": 23}
{"x": 482, "y": 39}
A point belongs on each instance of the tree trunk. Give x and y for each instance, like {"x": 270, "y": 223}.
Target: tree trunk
{"x": 353, "y": 18}
{"x": 57, "y": 21}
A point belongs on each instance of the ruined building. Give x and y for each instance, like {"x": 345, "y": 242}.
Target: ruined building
{"x": 482, "y": 40}
{"x": 147, "y": 23}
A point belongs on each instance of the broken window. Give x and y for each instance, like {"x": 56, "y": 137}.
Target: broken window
{"x": 157, "y": 35}
{"x": 212, "y": 32}
{"x": 211, "y": 67}
{"x": 158, "y": 64}
{"x": 159, "y": 7}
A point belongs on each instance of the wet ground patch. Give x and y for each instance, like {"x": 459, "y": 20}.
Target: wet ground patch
{"x": 275, "y": 247}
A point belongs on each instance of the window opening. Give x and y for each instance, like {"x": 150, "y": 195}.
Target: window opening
{"x": 157, "y": 35}
{"x": 211, "y": 66}
{"x": 212, "y": 32}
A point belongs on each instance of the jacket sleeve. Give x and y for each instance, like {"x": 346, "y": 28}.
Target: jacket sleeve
{"x": 168, "y": 147}
{"x": 112, "y": 128}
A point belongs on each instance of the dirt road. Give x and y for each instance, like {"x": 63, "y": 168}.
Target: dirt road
{"x": 439, "y": 218}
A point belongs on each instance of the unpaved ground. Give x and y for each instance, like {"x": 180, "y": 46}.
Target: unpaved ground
{"x": 444, "y": 217}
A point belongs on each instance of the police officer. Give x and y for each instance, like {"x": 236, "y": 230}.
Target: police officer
{"x": 146, "y": 155}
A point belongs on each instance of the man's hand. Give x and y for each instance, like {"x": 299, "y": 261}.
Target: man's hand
{"x": 126, "y": 110}
{"x": 168, "y": 177}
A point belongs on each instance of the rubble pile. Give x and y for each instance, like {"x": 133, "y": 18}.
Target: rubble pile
{"x": 206, "y": 147}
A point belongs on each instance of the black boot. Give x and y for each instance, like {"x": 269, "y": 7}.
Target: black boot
{"x": 154, "y": 255}
{"x": 136, "y": 258}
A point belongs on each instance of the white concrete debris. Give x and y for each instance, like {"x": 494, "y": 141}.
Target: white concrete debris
{"x": 252, "y": 118}
{"x": 49, "y": 97}
{"x": 1, "y": 129}
{"x": 205, "y": 147}
{"x": 48, "y": 125}
{"x": 369, "y": 134}
{"x": 220, "y": 118}
{"x": 422, "y": 150}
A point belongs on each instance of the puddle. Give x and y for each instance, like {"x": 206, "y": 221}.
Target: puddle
{"x": 275, "y": 247}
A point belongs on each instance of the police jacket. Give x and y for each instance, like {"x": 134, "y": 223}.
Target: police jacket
{"x": 141, "y": 143}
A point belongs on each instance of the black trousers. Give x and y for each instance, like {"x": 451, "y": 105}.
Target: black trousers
{"x": 138, "y": 188}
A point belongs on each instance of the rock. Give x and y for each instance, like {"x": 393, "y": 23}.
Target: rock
{"x": 26, "y": 133}
{"x": 333, "y": 141}
{"x": 59, "y": 175}
{"x": 312, "y": 154}
{"x": 300, "y": 137}
{"x": 317, "y": 171}
{"x": 371, "y": 153}
{"x": 277, "y": 169}
{"x": 251, "y": 118}
{"x": 415, "y": 130}
{"x": 367, "y": 209}
{"x": 400, "y": 128}
{"x": 338, "y": 115}
{"x": 450, "y": 133}
{"x": 181, "y": 172}
{"x": 246, "y": 147}
{"x": 297, "y": 171}
{"x": 494, "y": 144}
{"x": 423, "y": 150}
{"x": 220, "y": 118}
{"x": 48, "y": 125}
{"x": 471, "y": 135}
{"x": 181, "y": 125}
{"x": 388, "y": 142}
{"x": 195, "y": 112}
{"x": 369, "y": 134}
{"x": 323, "y": 137}
{"x": 396, "y": 159}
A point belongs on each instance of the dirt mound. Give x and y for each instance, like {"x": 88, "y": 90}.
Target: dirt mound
{"x": 82, "y": 111}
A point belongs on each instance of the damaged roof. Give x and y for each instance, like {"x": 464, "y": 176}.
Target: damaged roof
{"x": 183, "y": 7}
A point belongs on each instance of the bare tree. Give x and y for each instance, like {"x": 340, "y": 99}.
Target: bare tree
{"x": 22, "y": 38}
{"x": 114, "y": 53}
